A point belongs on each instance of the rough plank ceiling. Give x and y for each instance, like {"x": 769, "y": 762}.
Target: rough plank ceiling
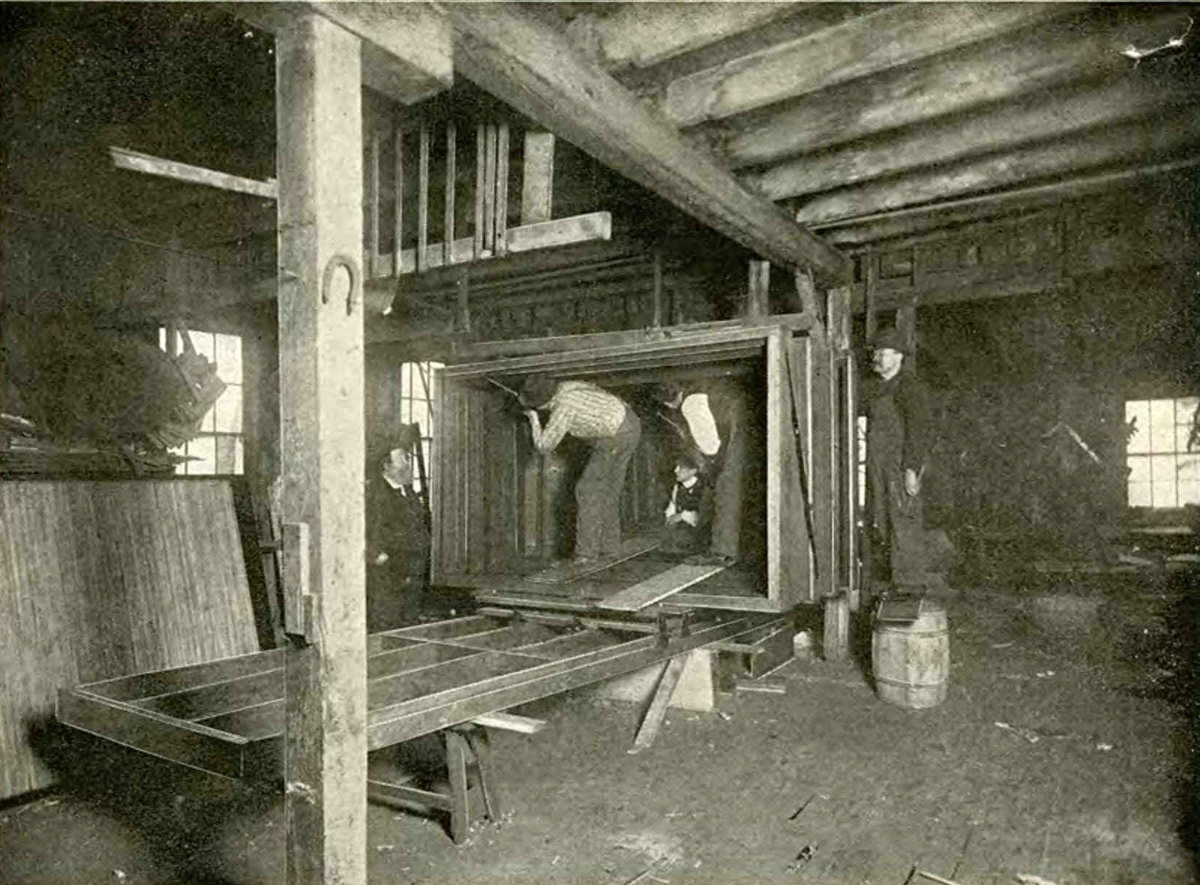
{"x": 839, "y": 111}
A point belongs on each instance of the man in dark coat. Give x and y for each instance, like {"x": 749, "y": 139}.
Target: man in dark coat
{"x": 899, "y": 436}
{"x": 397, "y": 542}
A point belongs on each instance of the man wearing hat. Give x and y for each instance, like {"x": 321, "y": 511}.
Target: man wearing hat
{"x": 612, "y": 429}
{"x": 899, "y": 437}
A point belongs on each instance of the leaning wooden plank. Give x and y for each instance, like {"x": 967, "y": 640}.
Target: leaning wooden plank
{"x": 144, "y": 685}
{"x": 510, "y": 722}
{"x": 568, "y": 570}
{"x": 659, "y": 587}
{"x": 657, "y": 712}
{"x": 195, "y": 746}
{"x": 123, "y": 158}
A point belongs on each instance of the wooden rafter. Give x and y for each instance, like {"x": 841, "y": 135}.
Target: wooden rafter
{"x": 538, "y": 71}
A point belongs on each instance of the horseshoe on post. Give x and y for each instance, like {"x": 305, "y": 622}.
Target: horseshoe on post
{"x": 351, "y": 265}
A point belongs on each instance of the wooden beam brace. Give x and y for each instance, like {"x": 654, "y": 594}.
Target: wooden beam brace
{"x": 536, "y": 70}
{"x": 134, "y": 161}
{"x": 1003, "y": 69}
{"x": 1150, "y": 138}
{"x": 989, "y": 131}
{"x": 887, "y": 38}
{"x": 320, "y": 156}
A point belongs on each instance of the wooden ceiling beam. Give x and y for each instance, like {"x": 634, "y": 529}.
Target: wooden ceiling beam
{"x": 537, "y": 70}
{"x": 642, "y": 34}
{"x": 1146, "y": 140}
{"x": 1086, "y": 47}
{"x": 958, "y": 137}
{"x": 907, "y": 226}
{"x": 892, "y": 36}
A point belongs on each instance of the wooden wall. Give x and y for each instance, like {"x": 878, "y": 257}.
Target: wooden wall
{"x": 100, "y": 579}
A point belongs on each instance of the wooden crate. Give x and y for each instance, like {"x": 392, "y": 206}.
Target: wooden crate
{"x": 499, "y": 509}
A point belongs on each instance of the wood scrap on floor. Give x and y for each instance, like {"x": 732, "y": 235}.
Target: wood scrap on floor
{"x": 659, "y": 587}
{"x": 657, "y": 712}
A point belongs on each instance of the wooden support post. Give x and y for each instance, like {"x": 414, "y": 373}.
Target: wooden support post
{"x": 448, "y": 217}
{"x": 537, "y": 182}
{"x": 320, "y": 159}
{"x": 837, "y": 627}
{"x": 806, "y": 293}
{"x": 657, "y": 314}
{"x": 757, "y": 296}
{"x": 423, "y": 199}
{"x": 502, "y": 189}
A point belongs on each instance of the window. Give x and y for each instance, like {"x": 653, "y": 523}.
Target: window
{"x": 218, "y": 448}
{"x": 416, "y": 406}
{"x": 1162, "y": 472}
{"x": 860, "y": 425}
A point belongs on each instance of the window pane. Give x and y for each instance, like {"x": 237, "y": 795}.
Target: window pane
{"x": 1189, "y": 493}
{"x": 239, "y": 461}
{"x": 1164, "y": 494}
{"x": 1139, "y": 494}
{"x": 229, "y": 358}
{"x": 1138, "y": 413}
{"x": 420, "y": 415}
{"x": 1185, "y": 408}
{"x": 1162, "y": 425}
{"x": 228, "y": 411}
{"x": 1139, "y": 469}
{"x": 1181, "y": 437}
{"x": 1162, "y": 468}
{"x": 204, "y": 344}
{"x": 226, "y": 454}
{"x": 1188, "y": 468}
{"x": 204, "y": 449}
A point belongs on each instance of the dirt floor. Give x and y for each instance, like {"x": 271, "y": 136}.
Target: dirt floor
{"x": 1060, "y": 753}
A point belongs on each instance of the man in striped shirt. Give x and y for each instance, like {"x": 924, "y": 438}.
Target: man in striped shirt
{"x": 612, "y": 429}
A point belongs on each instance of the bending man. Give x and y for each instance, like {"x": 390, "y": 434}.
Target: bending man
{"x": 612, "y": 429}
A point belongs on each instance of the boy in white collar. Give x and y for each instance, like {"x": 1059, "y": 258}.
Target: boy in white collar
{"x": 684, "y": 516}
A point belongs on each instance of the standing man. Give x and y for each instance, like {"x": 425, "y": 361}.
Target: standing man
{"x": 612, "y": 429}
{"x": 397, "y": 539}
{"x": 899, "y": 437}
{"x": 715, "y": 414}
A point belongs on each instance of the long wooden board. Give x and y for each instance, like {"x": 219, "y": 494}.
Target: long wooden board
{"x": 568, "y": 570}
{"x": 659, "y": 587}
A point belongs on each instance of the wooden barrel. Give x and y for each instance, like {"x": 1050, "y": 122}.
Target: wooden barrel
{"x": 911, "y": 662}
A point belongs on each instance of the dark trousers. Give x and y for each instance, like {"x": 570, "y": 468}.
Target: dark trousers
{"x": 598, "y": 491}
{"x": 898, "y": 536}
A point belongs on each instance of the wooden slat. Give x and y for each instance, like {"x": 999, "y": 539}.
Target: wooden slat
{"x": 502, "y": 189}
{"x": 397, "y": 188}
{"x": 510, "y": 722}
{"x": 891, "y": 37}
{"x": 134, "y": 161}
{"x": 659, "y": 587}
{"x": 536, "y": 70}
{"x": 477, "y": 231}
{"x": 1026, "y": 64}
{"x": 423, "y": 198}
{"x": 1145, "y": 139}
{"x": 159, "y": 682}
{"x": 758, "y": 304}
{"x": 542, "y": 235}
{"x": 222, "y": 697}
{"x": 375, "y": 209}
{"x": 451, "y": 172}
{"x": 489, "y": 189}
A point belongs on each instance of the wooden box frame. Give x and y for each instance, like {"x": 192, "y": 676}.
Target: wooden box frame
{"x": 476, "y": 483}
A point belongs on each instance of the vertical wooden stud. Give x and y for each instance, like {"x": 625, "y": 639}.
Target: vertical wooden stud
{"x": 837, "y": 627}
{"x": 423, "y": 199}
{"x": 657, "y": 318}
{"x": 320, "y": 222}
{"x": 480, "y": 190}
{"x": 374, "y": 212}
{"x": 489, "y": 191}
{"x": 537, "y": 180}
{"x": 451, "y": 172}
{"x": 906, "y": 325}
{"x": 757, "y": 297}
{"x": 502, "y": 189}
{"x": 398, "y": 199}
{"x": 869, "y": 292}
